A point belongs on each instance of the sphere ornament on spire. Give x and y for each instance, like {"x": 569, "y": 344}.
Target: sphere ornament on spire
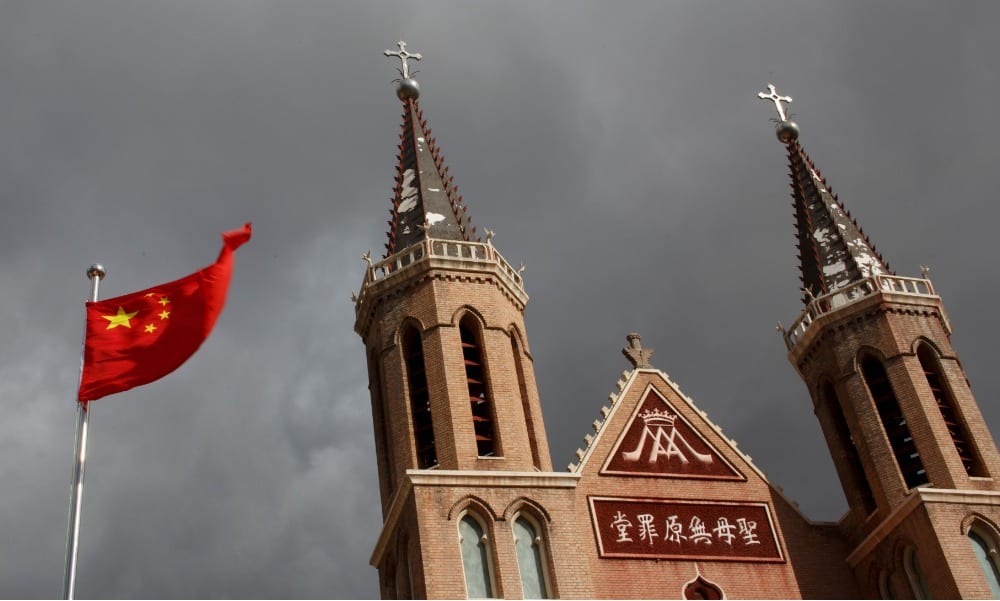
{"x": 786, "y": 129}
{"x": 407, "y": 87}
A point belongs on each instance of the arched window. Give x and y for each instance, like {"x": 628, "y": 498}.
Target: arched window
{"x": 476, "y": 557}
{"x": 914, "y": 574}
{"x": 479, "y": 396}
{"x": 528, "y": 545}
{"x": 420, "y": 401}
{"x": 893, "y": 422}
{"x": 830, "y": 402}
{"x": 986, "y": 553}
{"x": 952, "y": 418}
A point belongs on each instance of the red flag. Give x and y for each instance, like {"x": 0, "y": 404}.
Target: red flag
{"x": 137, "y": 338}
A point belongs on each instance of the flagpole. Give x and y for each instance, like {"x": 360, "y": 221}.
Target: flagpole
{"x": 95, "y": 273}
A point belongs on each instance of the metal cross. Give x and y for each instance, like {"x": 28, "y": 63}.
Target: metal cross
{"x": 773, "y": 97}
{"x": 403, "y": 55}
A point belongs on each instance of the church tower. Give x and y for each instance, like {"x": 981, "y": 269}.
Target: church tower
{"x": 463, "y": 461}
{"x": 916, "y": 460}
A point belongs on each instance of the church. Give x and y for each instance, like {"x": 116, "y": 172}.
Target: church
{"x": 660, "y": 503}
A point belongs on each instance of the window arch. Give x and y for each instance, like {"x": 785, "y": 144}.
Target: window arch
{"x": 420, "y": 401}
{"x": 957, "y": 427}
{"x": 918, "y": 586}
{"x": 893, "y": 422}
{"x": 985, "y": 548}
{"x": 479, "y": 395}
{"x": 477, "y": 558}
{"x": 529, "y": 546}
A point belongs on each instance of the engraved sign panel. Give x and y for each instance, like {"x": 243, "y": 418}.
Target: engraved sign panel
{"x": 672, "y": 529}
{"x": 659, "y": 442}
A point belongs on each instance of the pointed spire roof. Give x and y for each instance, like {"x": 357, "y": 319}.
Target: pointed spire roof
{"x": 833, "y": 249}
{"x": 425, "y": 203}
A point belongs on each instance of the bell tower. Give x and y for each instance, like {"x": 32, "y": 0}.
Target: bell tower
{"x": 454, "y": 401}
{"x": 916, "y": 460}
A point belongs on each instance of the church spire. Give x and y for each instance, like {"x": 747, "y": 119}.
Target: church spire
{"x": 426, "y": 203}
{"x": 833, "y": 250}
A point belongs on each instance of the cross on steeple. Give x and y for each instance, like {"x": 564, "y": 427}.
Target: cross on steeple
{"x": 776, "y": 99}
{"x": 402, "y": 54}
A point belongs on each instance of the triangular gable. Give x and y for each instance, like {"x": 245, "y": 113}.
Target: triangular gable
{"x": 659, "y": 442}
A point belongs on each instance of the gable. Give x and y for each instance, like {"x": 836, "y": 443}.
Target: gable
{"x": 661, "y": 481}
{"x": 659, "y": 442}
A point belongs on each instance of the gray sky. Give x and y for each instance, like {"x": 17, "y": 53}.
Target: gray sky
{"x": 618, "y": 149}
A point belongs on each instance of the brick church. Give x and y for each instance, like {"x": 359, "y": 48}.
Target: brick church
{"x": 660, "y": 503}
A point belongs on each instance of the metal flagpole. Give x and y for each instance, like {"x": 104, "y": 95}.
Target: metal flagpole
{"x": 96, "y": 273}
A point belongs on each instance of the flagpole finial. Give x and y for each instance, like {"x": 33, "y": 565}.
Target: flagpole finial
{"x": 96, "y": 270}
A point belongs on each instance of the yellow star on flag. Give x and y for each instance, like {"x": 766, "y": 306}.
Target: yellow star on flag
{"x": 120, "y": 319}
{"x": 150, "y": 328}
{"x": 165, "y": 315}
{"x": 163, "y": 301}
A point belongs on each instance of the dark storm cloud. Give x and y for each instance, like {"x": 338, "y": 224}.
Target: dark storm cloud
{"x": 618, "y": 150}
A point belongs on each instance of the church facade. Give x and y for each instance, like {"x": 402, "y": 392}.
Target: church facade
{"x": 661, "y": 504}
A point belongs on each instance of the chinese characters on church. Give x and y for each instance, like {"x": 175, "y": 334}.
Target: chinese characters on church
{"x": 651, "y": 528}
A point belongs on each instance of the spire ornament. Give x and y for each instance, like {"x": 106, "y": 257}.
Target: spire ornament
{"x": 772, "y": 95}
{"x": 639, "y": 357}
{"x": 408, "y": 87}
{"x": 786, "y": 130}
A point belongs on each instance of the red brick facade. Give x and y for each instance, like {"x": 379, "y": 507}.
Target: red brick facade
{"x": 661, "y": 504}
{"x": 679, "y": 510}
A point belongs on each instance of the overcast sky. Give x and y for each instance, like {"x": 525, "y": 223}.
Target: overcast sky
{"x": 618, "y": 149}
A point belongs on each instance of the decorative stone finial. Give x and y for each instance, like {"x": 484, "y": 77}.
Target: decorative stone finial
{"x": 787, "y": 131}
{"x": 639, "y": 357}
{"x": 408, "y": 87}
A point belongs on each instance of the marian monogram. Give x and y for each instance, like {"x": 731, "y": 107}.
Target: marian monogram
{"x": 658, "y": 441}
{"x": 663, "y": 440}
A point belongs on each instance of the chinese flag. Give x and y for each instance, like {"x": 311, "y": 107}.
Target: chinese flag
{"x": 134, "y": 339}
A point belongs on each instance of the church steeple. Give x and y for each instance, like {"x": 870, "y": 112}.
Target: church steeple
{"x": 454, "y": 402}
{"x": 426, "y": 203}
{"x": 442, "y": 319}
{"x": 904, "y": 431}
{"x": 833, "y": 250}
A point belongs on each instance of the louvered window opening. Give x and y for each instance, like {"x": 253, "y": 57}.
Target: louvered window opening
{"x": 420, "y": 402}
{"x": 846, "y": 441}
{"x": 956, "y": 427}
{"x": 903, "y": 446}
{"x": 482, "y": 411}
